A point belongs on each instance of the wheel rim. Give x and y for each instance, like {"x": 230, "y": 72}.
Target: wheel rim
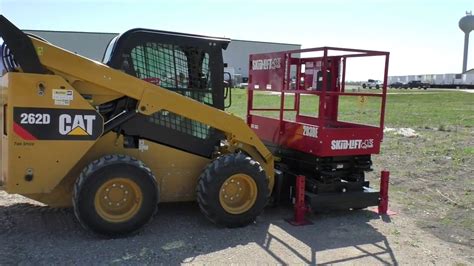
{"x": 118, "y": 200}
{"x": 238, "y": 194}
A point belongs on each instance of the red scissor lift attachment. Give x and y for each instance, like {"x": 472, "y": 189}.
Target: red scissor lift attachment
{"x": 332, "y": 154}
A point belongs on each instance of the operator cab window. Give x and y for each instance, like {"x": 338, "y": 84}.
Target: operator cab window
{"x": 184, "y": 70}
{"x": 181, "y": 69}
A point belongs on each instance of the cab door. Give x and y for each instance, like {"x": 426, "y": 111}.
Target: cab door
{"x": 190, "y": 65}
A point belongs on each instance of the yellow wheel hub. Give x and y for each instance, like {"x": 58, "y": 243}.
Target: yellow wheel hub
{"x": 118, "y": 200}
{"x": 238, "y": 194}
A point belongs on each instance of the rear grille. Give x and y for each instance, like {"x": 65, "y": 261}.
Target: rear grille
{"x": 7, "y": 61}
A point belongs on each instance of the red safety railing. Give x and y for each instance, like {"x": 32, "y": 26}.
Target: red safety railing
{"x": 325, "y": 76}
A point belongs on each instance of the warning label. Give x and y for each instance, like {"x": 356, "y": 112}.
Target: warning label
{"x": 63, "y": 95}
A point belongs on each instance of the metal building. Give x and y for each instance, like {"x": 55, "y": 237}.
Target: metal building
{"x": 93, "y": 44}
{"x": 237, "y": 54}
{"x": 89, "y": 44}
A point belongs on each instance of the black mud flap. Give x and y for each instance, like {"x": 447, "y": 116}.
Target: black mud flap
{"x": 343, "y": 200}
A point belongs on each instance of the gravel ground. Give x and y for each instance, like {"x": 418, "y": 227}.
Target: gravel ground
{"x": 34, "y": 234}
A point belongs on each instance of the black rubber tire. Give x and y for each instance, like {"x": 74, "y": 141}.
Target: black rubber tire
{"x": 364, "y": 86}
{"x": 102, "y": 170}
{"x": 213, "y": 177}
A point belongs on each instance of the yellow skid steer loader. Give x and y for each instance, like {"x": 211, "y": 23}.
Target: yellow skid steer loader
{"x": 113, "y": 139}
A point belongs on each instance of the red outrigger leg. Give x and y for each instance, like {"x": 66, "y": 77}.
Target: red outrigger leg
{"x": 383, "y": 204}
{"x": 300, "y": 205}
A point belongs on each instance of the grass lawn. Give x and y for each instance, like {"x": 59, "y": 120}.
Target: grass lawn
{"x": 405, "y": 108}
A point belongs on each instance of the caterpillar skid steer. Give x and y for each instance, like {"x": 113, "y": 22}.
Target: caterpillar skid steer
{"x": 113, "y": 139}
{"x": 148, "y": 125}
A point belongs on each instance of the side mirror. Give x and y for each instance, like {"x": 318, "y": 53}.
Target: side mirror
{"x": 227, "y": 80}
{"x": 228, "y": 89}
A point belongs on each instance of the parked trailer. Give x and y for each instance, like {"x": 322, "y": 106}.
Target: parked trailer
{"x": 449, "y": 80}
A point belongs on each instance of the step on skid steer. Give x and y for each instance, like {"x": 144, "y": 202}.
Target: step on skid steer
{"x": 147, "y": 125}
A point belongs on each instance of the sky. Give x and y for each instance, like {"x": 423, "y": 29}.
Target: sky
{"x": 422, "y": 36}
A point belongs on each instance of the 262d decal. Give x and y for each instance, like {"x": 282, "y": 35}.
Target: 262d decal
{"x": 56, "y": 124}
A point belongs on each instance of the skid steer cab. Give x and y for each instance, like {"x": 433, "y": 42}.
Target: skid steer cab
{"x": 113, "y": 139}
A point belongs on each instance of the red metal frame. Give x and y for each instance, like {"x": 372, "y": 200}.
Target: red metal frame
{"x": 323, "y": 135}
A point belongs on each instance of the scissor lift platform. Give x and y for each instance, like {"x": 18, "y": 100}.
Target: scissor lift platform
{"x": 331, "y": 153}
